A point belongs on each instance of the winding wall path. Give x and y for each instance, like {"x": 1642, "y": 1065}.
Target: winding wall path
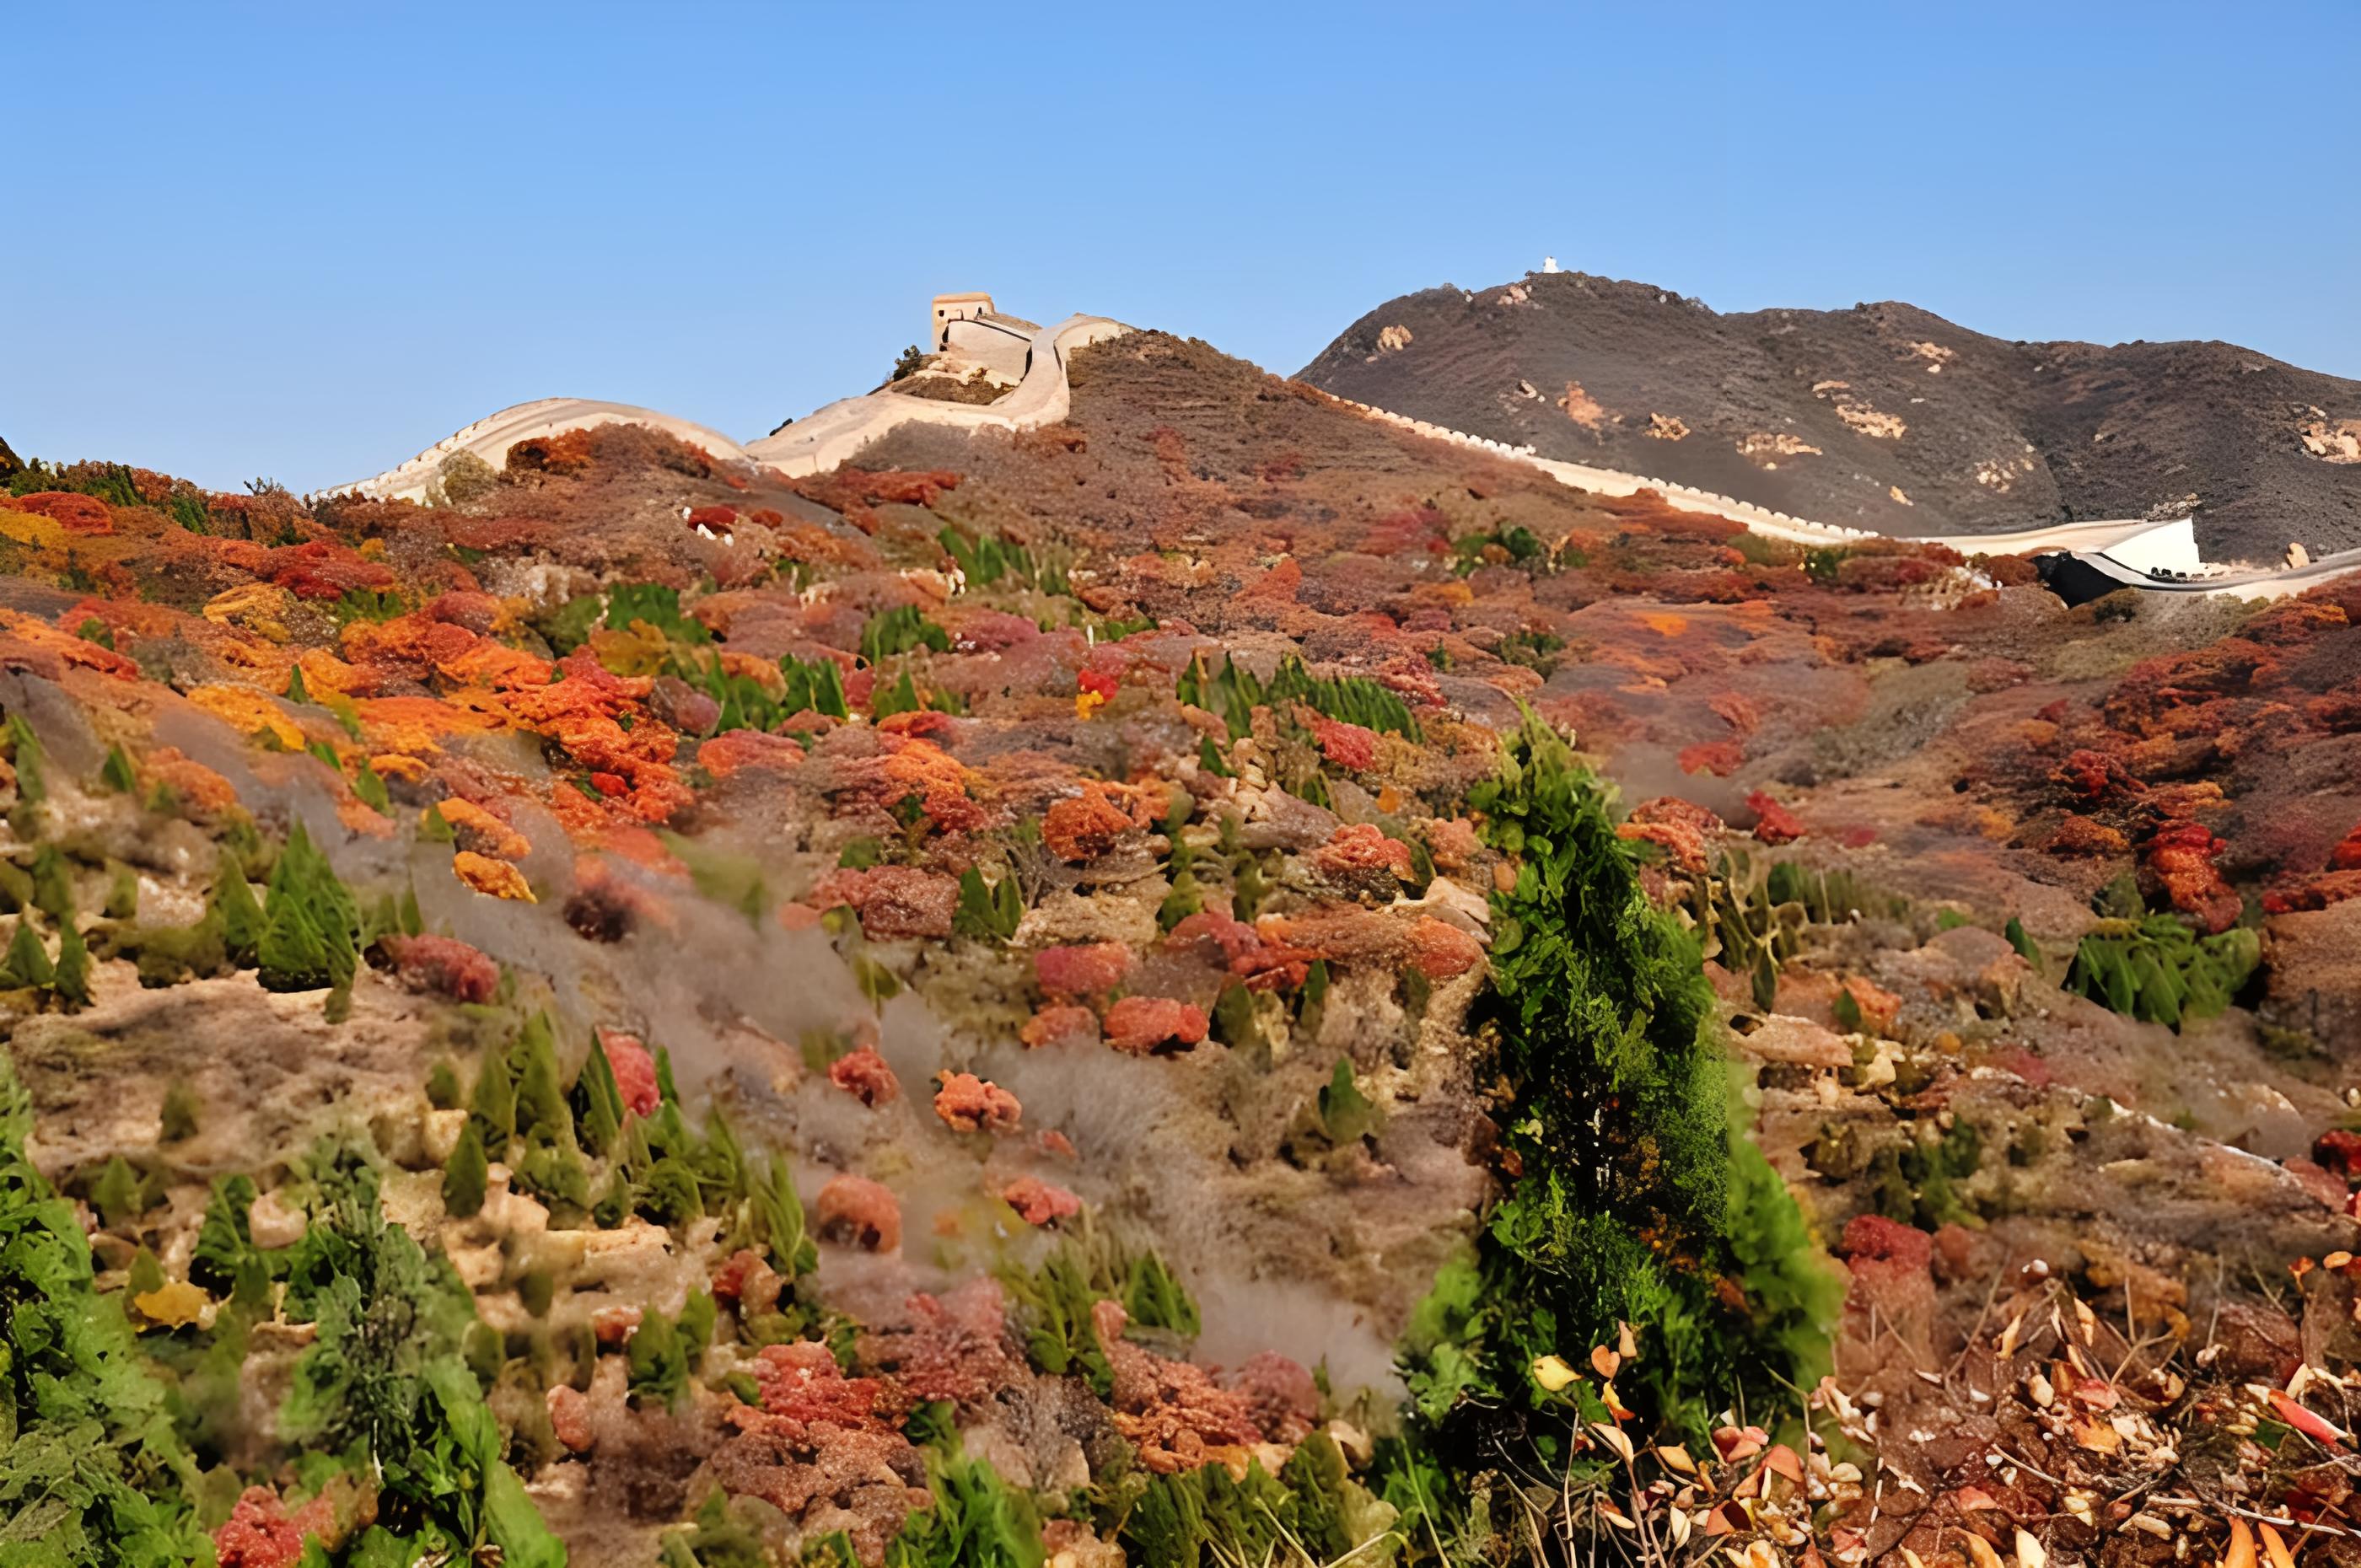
{"x": 2120, "y": 548}
{"x": 823, "y": 440}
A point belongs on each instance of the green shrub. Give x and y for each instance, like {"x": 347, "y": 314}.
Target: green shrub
{"x": 2159, "y": 971}
{"x": 93, "y": 1474}
{"x": 899, "y": 629}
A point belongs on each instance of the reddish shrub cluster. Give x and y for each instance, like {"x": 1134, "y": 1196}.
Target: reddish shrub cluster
{"x": 956, "y": 1346}
{"x": 1082, "y": 972}
{"x": 2179, "y": 858}
{"x": 1773, "y": 823}
{"x": 862, "y": 1074}
{"x": 969, "y": 1104}
{"x": 261, "y": 1533}
{"x": 1352, "y": 747}
{"x": 1173, "y": 1412}
{"x": 1678, "y": 826}
{"x": 859, "y": 1212}
{"x": 1154, "y": 1026}
{"x": 1039, "y": 1202}
{"x": 1060, "y": 1023}
{"x": 892, "y": 901}
{"x": 442, "y": 964}
{"x": 635, "y": 1072}
{"x": 1084, "y": 827}
{"x": 1358, "y": 852}
{"x": 857, "y": 492}
{"x": 821, "y": 1448}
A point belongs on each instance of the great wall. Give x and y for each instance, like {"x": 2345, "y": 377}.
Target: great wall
{"x": 2152, "y": 555}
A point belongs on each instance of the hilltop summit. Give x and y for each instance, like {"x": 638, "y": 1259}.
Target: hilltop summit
{"x": 1883, "y": 416}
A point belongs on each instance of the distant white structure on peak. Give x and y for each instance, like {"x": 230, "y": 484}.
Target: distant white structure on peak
{"x": 1549, "y": 263}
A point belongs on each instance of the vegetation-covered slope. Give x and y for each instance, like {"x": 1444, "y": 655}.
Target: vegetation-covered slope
{"x": 1052, "y": 998}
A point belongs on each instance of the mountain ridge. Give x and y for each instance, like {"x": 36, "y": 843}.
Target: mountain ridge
{"x": 1884, "y": 416}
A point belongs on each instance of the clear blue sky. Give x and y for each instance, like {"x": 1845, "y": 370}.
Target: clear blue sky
{"x": 307, "y": 241}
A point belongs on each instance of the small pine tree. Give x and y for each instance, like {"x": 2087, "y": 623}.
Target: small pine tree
{"x": 28, "y": 962}
{"x": 371, "y": 789}
{"x": 72, "y": 981}
{"x": 123, "y": 895}
{"x": 598, "y": 1102}
{"x": 235, "y": 910}
{"x": 52, "y": 882}
{"x": 493, "y": 1110}
{"x": 25, "y": 750}
{"x": 541, "y": 1113}
{"x": 115, "y": 772}
{"x": 291, "y": 954}
{"x": 465, "y": 1175}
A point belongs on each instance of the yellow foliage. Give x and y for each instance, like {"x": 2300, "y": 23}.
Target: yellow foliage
{"x": 24, "y": 528}
{"x": 640, "y": 651}
{"x": 486, "y": 875}
{"x": 173, "y": 1305}
{"x": 324, "y": 672}
{"x": 259, "y": 608}
{"x": 246, "y": 710}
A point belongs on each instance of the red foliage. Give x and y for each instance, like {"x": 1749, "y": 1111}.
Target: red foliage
{"x": 863, "y": 1074}
{"x": 1678, "y": 826}
{"x": 1039, "y": 1202}
{"x": 569, "y": 1419}
{"x": 733, "y": 750}
{"x": 859, "y": 1212}
{"x": 2095, "y": 777}
{"x": 855, "y": 492}
{"x": 261, "y": 1533}
{"x": 2144, "y": 698}
{"x": 892, "y": 901}
{"x": 1099, "y": 682}
{"x": 1243, "y": 951}
{"x": 69, "y": 510}
{"x": 2317, "y": 893}
{"x": 1353, "y": 747}
{"x": 1173, "y": 1411}
{"x": 954, "y": 1348}
{"x": 1061, "y": 1021}
{"x": 969, "y": 1104}
{"x": 1440, "y": 951}
{"x": 1068, "y": 973}
{"x": 568, "y": 451}
{"x": 443, "y": 965}
{"x": 1719, "y": 758}
{"x": 1883, "y": 1253}
{"x": 1773, "y": 823}
{"x": 1360, "y": 849}
{"x": 1281, "y": 1395}
{"x": 635, "y": 1072}
{"x": 1143, "y": 1025}
{"x": 2340, "y": 1151}
{"x": 749, "y": 1282}
{"x": 1084, "y": 827}
{"x": 2180, "y": 857}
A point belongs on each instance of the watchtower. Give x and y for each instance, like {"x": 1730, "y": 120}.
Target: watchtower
{"x": 949, "y": 308}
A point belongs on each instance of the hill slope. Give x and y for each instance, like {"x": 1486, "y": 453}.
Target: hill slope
{"x": 1883, "y": 416}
